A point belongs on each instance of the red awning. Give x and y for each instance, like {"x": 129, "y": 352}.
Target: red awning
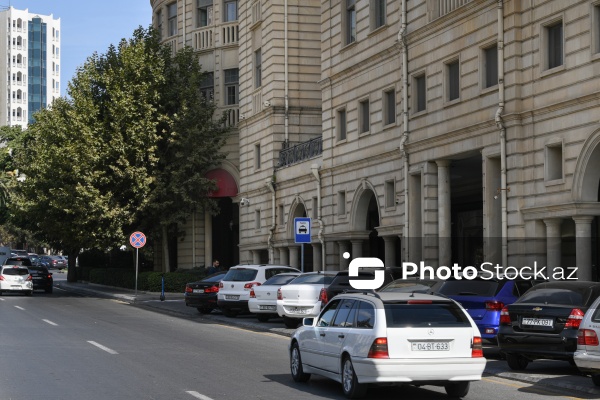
{"x": 225, "y": 183}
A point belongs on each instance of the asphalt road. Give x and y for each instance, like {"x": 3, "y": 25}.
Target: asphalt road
{"x": 66, "y": 346}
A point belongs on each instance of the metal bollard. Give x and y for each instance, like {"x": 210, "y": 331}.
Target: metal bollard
{"x": 162, "y": 290}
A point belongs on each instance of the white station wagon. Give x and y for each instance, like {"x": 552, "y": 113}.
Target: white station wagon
{"x": 587, "y": 356}
{"x": 368, "y": 338}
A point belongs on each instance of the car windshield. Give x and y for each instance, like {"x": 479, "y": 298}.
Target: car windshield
{"x": 469, "y": 288}
{"x": 240, "y": 275}
{"x": 312, "y": 279}
{"x": 446, "y": 314}
{"x": 553, "y": 296}
{"x": 15, "y": 271}
{"x": 279, "y": 280}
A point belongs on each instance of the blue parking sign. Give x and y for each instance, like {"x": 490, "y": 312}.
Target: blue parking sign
{"x": 302, "y": 230}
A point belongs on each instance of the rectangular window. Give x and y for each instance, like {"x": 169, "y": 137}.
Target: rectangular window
{"x": 554, "y": 162}
{"x": 390, "y": 193}
{"x": 420, "y": 93}
{"x": 341, "y": 206}
{"x": 491, "y": 66}
{"x": 554, "y": 34}
{"x": 350, "y": 21}
{"x": 453, "y": 80}
{"x": 232, "y": 79}
{"x": 281, "y": 216}
{"x": 257, "y": 68}
{"x": 315, "y": 208}
{"x": 159, "y": 24}
{"x": 231, "y": 11}
{"x": 389, "y": 104}
{"x": 257, "y": 219}
{"x": 257, "y": 156}
{"x": 204, "y": 13}
{"x": 378, "y": 13}
{"x": 364, "y": 116}
{"x": 207, "y": 87}
{"x": 172, "y": 19}
{"x": 341, "y": 124}
{"x": 596, "y": 30}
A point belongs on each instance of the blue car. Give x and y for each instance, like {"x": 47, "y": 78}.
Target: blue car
{"x": 484, "y": 299}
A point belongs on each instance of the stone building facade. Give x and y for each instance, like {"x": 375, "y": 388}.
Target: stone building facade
{"x": 438, "y": 131}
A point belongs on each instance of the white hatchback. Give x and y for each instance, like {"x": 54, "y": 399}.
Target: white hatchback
{"x": 234, "y": 289}
{"x": 15, "y": 278}
{"x": 368, "y": 338}
{"x": 587, "y": 356}
{"x": 303, "y": 297}
{"x": 263, "y": 298}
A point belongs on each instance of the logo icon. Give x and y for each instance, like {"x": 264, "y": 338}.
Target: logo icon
{"x": 366, "y": 262}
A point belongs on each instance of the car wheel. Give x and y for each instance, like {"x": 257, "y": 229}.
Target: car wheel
{"x": 298, "y": 373}
{"x": 457, "y": 389}
{"x": 291, "y": 323}
{"x": 352, "y": 389}
{"x": 204, "y": 310}
{"x": 263, "y": 317}
{"x": 228, "y": 312}
{"x": 596, "y": 379}
{"x": 516, "y": 361}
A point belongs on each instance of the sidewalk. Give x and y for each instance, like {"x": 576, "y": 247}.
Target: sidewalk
{"x": 542, "y": 375}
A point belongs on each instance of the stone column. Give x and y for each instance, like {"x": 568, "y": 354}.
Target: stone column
{"x": 344, "y": 247}
{"x": 390, "y": 251}
{"x": 317, "y": 257}
{"x": 553, "y": 243}
{"x": 294, "y": 257}
{"x": 583, "y": 235}
{"x": 208, "y": 239}
{"x": 283, "y": 256}
{"x": 444, "y": 213}
{"x": 357, "y": 248}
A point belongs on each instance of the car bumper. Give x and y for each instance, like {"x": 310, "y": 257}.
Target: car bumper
{"x": 587, "y": 362}
{"x": 534, "y": 346}
{"x": 262, "y": 307}
{"x": 233, "y": 304}
{"x": 201, "y": 302}
{"x": 8, "y": 287}
{"x": 369, "y": 370}
{"x": 293, "y": 310}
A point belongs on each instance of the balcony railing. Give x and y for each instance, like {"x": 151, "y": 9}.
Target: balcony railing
{"x": 439, "y": 8}
{"x": 203, "y": 39}
{"x": 300, "y": 152}
{"x": 229, "y": 34}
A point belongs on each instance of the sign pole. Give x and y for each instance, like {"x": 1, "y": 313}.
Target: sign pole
{"x": 137, "y": 240}
{"x": 302, "y": 257}
{"x": 136, "y": 270}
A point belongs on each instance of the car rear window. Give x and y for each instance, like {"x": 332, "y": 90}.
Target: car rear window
{"x": 312, "y": 279}
{"x": 15, "y": 271}
{"x": 443, "y": 314}
{"x": 240, "y": 275}
{"x": 279, "y": 280}
{"x": 566, "y": 297}
{"x": 469, "y": 288}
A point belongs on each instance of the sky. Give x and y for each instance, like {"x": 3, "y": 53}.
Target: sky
{"x": 88, "y": 26}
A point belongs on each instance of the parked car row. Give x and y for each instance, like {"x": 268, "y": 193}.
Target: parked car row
{"x": 19, "y": 275}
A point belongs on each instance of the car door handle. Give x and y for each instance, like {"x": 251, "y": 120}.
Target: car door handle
{"x": 322, "y": 334}
{"x": 341, "y": 336}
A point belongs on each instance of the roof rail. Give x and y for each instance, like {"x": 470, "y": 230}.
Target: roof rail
{"x": 362, "y": 291}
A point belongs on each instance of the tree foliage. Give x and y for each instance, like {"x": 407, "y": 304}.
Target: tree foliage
{"x": 133, "y": 139}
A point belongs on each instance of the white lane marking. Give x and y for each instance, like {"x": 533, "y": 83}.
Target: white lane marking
{"x": 1, "y": 299}
{"x": 198, "y": 395}
{"x": 20, "y": 308}
{"x": 98, "y": 345}
{"x": 49, "y": 322}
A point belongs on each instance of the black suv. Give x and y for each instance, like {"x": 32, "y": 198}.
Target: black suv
{"x": 42, "y": 278}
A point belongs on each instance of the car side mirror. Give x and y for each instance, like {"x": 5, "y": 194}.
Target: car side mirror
{"x": 308, "y": 321}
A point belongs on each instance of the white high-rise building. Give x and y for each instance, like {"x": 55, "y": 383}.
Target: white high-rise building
{"x": 30, "y": 61}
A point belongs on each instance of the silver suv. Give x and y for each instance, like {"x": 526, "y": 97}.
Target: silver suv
{"x": 234, "y": 289}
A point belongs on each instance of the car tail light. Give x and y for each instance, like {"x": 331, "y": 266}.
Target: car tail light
{"x": 1, "y": 278}
{"x": 252, "y": 294}
{"x": 188, "y": 289}
{"x": 323, "y": 297}
{"x": 494, "y": 305}
{"x": 587, "y": 337}
{"x": 419, "y": 302}
{"x": 250, "y": 285}
{"x": 29, "y": 278}
{"x": 504, "y": 317}
{"x": 220, "y": 285}
{"x": 379, "y": 349}
{"x": 212, "y": 289}
{"x": 49, "y": 276}
{"x": 477, "y": 347}
{"x": 279, "y": 294}
{"x": 574, "y": 319}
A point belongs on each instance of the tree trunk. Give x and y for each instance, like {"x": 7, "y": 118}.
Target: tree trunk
{"x": 165, "y": 246}
{"x": 72, "y": 270}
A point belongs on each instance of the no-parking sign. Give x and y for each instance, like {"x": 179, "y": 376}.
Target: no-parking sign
{"x": 137, "y": 239}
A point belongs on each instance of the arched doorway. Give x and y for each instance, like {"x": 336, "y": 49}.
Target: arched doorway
{"x": 366, "y": 219}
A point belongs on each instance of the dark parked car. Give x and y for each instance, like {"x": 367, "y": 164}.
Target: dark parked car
{"x": 203, "y": 293}
{"x": 42, "y": 278}
{"x": 484, "y": 299}
{"x": 53, "y": 262}
{"x": 543, "y": 323}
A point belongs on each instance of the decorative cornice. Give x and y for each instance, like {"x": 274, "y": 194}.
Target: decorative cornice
{"x": 563, "y": 210}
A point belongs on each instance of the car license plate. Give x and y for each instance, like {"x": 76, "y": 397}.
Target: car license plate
{"x": 298, "y": 310}
{"x": 537, "y": 322}
{"x": 198, "y": 291}
{"x": 430, "y": 346}
{"x": 37, "y": 277}
{"x": 232, "y": 297}
{"x": 268, "y": 308}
